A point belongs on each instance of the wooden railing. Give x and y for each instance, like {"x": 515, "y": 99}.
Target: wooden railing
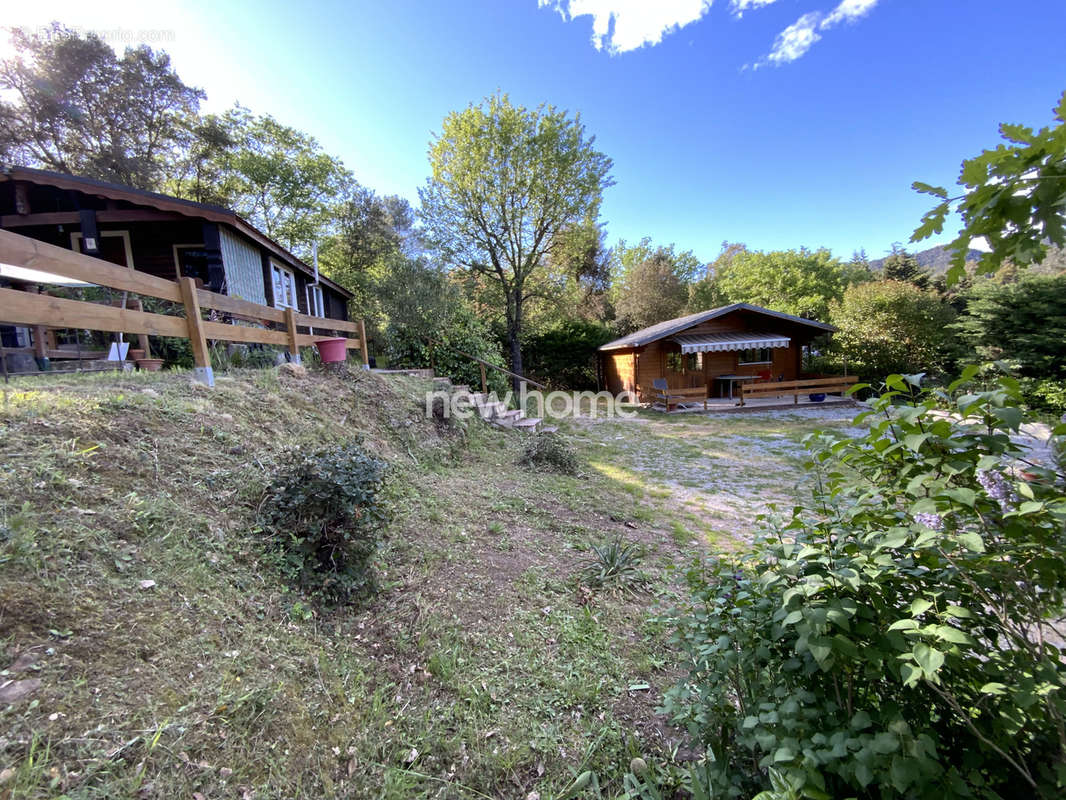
{"x": 838, "y": 385}
{"x": 40, "y": 310}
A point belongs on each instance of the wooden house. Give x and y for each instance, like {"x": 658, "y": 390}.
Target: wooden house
{"x": 164, "y": 236}
{"x": 710, "y": 349}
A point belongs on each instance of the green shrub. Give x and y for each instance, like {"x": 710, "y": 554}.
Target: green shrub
{"x": 615, "y": 564}
{"x": 552, "y": 452}
{"x": 889, "y": 639}
{"x": 323, "y": 516}
{"x": 1045, "y": 395}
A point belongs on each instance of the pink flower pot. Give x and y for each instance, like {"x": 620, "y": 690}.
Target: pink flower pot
{"x": 332, "y": 351}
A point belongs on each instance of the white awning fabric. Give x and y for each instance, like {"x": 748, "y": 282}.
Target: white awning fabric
{"x": 16, "y": 273}
{"x": 721, "y": 342}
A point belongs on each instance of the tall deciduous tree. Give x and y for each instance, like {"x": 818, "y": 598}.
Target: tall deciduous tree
{"x": 506, "y": 181}
{"x": 652, "y": 291}
{"x": 76, "y": 107}
{"x": 800, "y": 282}
{"x": 892, "y": 327}
{"x": 280, "y": 178}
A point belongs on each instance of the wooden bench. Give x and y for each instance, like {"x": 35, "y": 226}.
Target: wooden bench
{"x": 678, "y": 396}
{"x": 796, "y": 388}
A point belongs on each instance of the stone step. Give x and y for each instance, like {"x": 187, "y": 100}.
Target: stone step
{"x": 549, "y": 429}
{"x": 528, "y": 423}
{"x": 461, "y": 389}
{"x": 514, "y": 414}
{"x": 503, "y": 422}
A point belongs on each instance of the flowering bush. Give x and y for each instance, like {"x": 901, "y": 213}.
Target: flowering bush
{"x": 896, "y": 637}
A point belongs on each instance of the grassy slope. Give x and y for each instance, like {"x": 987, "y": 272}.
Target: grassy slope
{"x": 481, "y": 670}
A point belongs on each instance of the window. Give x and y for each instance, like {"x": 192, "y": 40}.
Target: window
{"x": 756, "y": 355}
{"x": 284, "y": 286}
{"x": 190, "y": 260}
{"x": 684, "y": 362}
{"x": 315, "y": 304}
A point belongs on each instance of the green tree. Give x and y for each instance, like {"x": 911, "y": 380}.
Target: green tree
{"x": 800, "y": 282}
{"x": 1022, "y": 323}
{"x": 892, "y": 326}
{"x": 280, "y": 178}
{"x": 899, "y": 265}
{"x": 76, "y": 107}
{"x": 425, "y": 318}
{"x": 1013, "y": 197}
{"x": 651, "y": 291}
{"x": 506, "y": 182}
{"x": 706, "y": 293}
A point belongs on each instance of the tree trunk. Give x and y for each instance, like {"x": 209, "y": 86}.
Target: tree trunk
{"x": 514, "y": 334}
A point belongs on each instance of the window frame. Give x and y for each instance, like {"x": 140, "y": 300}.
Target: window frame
{"x": 315, "y": 307}
{"x": 758, "y": 351}
{"x": 276, "y": 271}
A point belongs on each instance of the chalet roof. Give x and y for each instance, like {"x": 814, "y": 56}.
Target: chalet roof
{"x": 163, "y": 202}
{"x": 673, "y": 326}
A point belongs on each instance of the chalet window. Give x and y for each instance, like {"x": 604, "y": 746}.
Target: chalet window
{"x": 756, "y": 355}
{"x": 315, "y": 304}
{"x": 684, "y": 362}
{"x": 284, "y": 286}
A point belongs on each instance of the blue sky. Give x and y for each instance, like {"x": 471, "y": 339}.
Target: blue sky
{"x": 723, "y": 128}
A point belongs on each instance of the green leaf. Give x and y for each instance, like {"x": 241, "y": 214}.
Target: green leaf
{"x": 925, "y": 188}
{"x": 948, "y": 633}
{"x": 1009, "y": 416}
{"x": 784, "y": 754}
{"x": 928, "y": 658}
{"x": 861, "y": 721}
{"x": 994, "y": 688}
{"x": 962, "y": 495}
{"x": 920, "y": 605}
{"x": 903, "y": 625}
{"x": 972, "y": 542}
{"x": 914, "y": 441}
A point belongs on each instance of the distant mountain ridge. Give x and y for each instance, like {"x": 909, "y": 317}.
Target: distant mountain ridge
{"x": 935, "y": 259}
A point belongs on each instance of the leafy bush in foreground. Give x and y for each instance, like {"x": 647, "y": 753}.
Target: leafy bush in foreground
{"x": 892, "y": 639}
{"x": 323, "y": 515}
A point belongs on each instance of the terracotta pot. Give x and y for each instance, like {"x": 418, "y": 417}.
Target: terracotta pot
{"x": 135, "y": 355}
{"x": 150, "y": 364}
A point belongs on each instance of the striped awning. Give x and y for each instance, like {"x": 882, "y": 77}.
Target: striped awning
{"x": 721, "y": 342}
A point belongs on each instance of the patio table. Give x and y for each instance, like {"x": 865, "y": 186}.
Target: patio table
{"x": 732, "y": 379}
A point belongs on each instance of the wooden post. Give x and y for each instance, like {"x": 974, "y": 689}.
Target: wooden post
{"x": 484, "y": 381}
{"x": 200, "y": 354}
{"x": 363, "y": 344}
{"x": 142, "y": 338}
{"x": 290, "y": 324}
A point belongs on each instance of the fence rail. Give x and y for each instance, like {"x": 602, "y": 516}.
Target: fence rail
{"x": 837, "y": 385}
{"x": 44, "y": 311}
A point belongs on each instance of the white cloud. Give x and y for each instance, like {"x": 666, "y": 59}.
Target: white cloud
{"x": 619, "y": 26}
{"x": 848, "y": 11}
{"x": 740, "y": 6}
{"x": 795, "y": 40}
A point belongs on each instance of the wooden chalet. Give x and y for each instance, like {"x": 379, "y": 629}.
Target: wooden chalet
{"x": 711, "y": 353}
{"x": 161, "y": 235}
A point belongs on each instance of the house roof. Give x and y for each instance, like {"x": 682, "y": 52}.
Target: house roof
{"x": 163, "y": 202}
{"x": 671, "y": 326}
